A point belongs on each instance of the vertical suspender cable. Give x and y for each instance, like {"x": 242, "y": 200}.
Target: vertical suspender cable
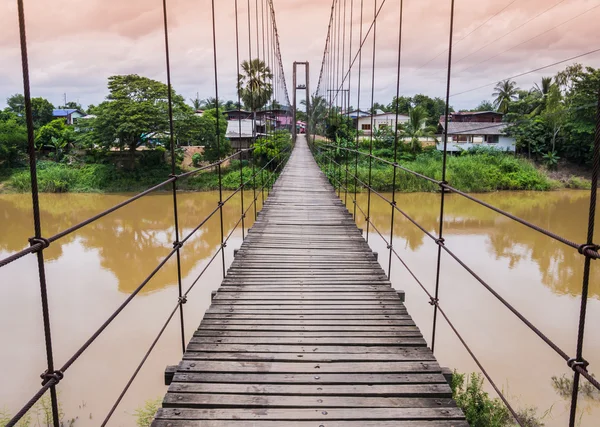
{"x": 578, "y": 360}
{"x": 348, "y": 102}
{"x": 358, "y": 109}
{"x": 337, "y": 91}
{"x": 36, "y": 214}
{"x": 177, "y": 244}
{"x": 258, "y": 96}
{"x": 344, "y": 99}
{"x": 391, "y": 244}
{"x": 368, "y": 219}
{"x": 253, "y": 113}
{"x": 239, "y": 100}
{"x": 440, "y": 241}
{"x": 214, "y": 31}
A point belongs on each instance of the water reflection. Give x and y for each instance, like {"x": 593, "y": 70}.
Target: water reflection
{"x": 562, "y": 212}
{"x": 130, "y": 242}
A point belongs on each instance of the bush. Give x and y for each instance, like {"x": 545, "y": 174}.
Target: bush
{"x": 196, "y": 159}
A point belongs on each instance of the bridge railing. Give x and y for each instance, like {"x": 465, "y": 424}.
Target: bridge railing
{"x": 339, "y": 174}
{"x": 38, "y": 244}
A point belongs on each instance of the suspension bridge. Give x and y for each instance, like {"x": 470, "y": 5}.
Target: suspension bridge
{"x": 305, "y": 329}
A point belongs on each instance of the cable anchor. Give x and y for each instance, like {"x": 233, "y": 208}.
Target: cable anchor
{"x": 46, "y": 377}
{"x": 39, "y": 241}
{"x": 574, "y": 362}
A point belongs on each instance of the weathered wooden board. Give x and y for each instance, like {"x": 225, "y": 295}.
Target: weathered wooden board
{"x": 306, "y": 329}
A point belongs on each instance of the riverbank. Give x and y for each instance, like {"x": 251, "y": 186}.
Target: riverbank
{"x": 107, "y": 178}
{"x": 476, "y": 173}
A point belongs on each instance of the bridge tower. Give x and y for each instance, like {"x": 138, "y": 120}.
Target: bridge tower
{"x": 296, "y": 89}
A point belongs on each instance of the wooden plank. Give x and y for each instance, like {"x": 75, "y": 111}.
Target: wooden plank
{"x": 306, "y": 330}
{"x": 289, "y": 414}
{"x": 382, "y": 390}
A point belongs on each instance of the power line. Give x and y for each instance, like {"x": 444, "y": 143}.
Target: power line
{"x": 532, "y": 38}
{"x": 466, "y": 36}
{"x": 529, "y": 72}
{"x": 511, "y": 31}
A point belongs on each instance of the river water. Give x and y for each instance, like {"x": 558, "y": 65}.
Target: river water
{"x": 92, "y": 271}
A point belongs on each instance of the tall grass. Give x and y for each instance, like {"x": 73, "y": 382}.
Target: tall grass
{"x": 471, "y": 173}
{"x": 106, "y": 178}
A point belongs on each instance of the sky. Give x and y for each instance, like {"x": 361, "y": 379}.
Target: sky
{"x": 75, "y": 45}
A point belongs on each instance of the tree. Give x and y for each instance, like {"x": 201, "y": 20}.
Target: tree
{"x": 580, "y": 124}
{"x": 196, "y": 103}
{"x": 232, "y": 105}
{"x": 505, "y": 93}
{"x": 135, "y": 108}
{"x": 212, "y": 150}
{"x": 484, "y": 105}
{"x": 55, "y": 130}
{"x": 210, "y": 103}
{"x": 404, "y": 104}
{"x": 13, "y": 141}
{"x": 416, "y": 128}
{"x": 41, "y": 109}
{"x": 378, "y": 106}
{"x": 16, "y": 104}
{"x": 72, "y": 105}
{"x": 254, "y": 84}
{"x": 434, "y": 108}
{"x": 318, "y": 114}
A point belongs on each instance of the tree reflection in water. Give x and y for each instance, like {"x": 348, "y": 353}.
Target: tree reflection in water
{"x": 130, "y": 242}
{"x": 562, "y": 212}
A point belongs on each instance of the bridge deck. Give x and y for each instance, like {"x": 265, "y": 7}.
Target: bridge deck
{"x": 306, "y": 330}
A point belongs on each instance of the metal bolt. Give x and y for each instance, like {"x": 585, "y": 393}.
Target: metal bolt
{"x": 317, "y": 377}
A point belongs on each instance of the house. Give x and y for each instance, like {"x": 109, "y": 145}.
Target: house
{"x": 379, "y": 121}
{"x": 70, "y": 115}
{"x": 474, "y": 129}
{"x": 240, "y": 133}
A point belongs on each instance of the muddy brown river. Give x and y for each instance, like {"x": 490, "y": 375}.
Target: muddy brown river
{"x": 92, "y": 271}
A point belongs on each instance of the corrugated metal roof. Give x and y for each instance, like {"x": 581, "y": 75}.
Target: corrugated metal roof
{"x": 473, "y": 128}
{"x": 63, "y": 112}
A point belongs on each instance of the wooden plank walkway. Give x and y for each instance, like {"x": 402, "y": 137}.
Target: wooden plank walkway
{"x": 306, "y": 330}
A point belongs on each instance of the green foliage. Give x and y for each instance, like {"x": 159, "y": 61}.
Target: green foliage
{"x": 340, "y": 127}
{"x": 479, "y": 408}
{"x": 505, "y": 93}
{"x": 254, "y": 84}
{"x": 214, "y": 151}
{"x": 136, "y": 112}
{"x": 41, "y": 109}
{"x": 196, "y": 159}
{"x": 272, "y": 147}
{"x": 477, "y": 170}
{"x": 13, "y": 142}
{"x": 145, "y": 414}
{"x": 551, "y": 159}
{"x": 56, "y": 129}
{"x": 434, "y": 107}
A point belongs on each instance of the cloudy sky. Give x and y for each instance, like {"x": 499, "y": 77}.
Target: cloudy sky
{"x": 75, "y": 45}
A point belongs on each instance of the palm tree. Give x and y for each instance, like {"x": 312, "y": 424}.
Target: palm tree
{"x": 415, "y": 128}
{"x": 318, "y": 114}
{"x": 254, "y": 84}
{"x": 544, "y": 89}
{"x": 196, "y": 102}
{"x": 210, "y": 103}
{"x": 505, "y": 93}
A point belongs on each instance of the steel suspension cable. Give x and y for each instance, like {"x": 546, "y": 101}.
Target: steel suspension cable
{"x": 50, "y": 373}
{"x": 176, "y": 243}
{"x": 218, "y": 135}
{"x": 358, "y": 107}
{"x": 372, "y": 118}
{"x": 252, "y": 111}
{"x": 239, "y": 101}
{"x": 579, "y": 360}
{"x": 391, "y": 243}
{"x": 444, "y": 167}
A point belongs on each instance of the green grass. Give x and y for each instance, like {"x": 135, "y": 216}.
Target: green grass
{"x": 470, "y": 173}
{"x": 107, "y": 178}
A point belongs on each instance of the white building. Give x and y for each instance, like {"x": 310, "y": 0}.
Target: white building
{"x": 380, "y": 121}
{"x": 462, "y": 136}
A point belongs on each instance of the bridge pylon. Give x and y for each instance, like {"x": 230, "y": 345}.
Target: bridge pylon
{"x": 305, "y": 87}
